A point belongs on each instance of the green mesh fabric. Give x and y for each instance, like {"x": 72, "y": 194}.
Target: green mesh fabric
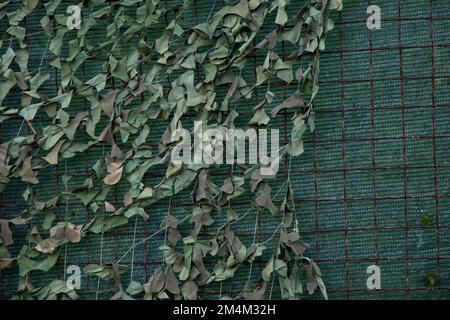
{"x": 378, "y": 162}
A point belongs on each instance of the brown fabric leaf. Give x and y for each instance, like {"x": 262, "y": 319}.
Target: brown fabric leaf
{"x": 27, "y": 173}
{"x": 47, "y": 246}
{"x": 264, "y": 199}
{"x": 299, "y": 74}
{"x": 127, "y": 199}
{"x": 173, "y": 235}
{"x": 172, "y": 284}
{"x": 232, "y": 88}
{"x": 6, "y": 264}
{"x": 178, "y": 265}
{"x": 52, "y": 156}
{"x": 294, "y": 101}
{"x": 171, "y": 221}
{"x": 6, "y": 232}
{"x": 197, "y": 258}
{"x": 107, "y": 135}
{"x": 114, "y": 177}
{"x": 201, "y": 191}
{"x": 72, "y": 233}
{"x": 269, "y": 42}
{"x": 189, "y": 290}
{"x": 116, "y": 275}
{"x": 109, "y": 207}
{"x": 257, "y": 293}
{"x": 107, "y": 103}
{"x": 72, "y": 127}
{"x": 227, "y": 186}
{"x": 298, "y": 247}
{"x": 157, "y": 281}
{"x": 58, "y": 232}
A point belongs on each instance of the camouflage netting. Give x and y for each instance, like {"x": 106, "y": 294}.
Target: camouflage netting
{"x": 86, "y": 117}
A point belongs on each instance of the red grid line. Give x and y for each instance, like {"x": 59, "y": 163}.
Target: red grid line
{"x": 352, "y": 50}
{"x": 321, "y": 110}
{"x": 58, "y": 188}
{"x": 116, "y": 200}
{"x": 145, "y": 249}
{"x": 87, "y": 174}
{"x": 316, "y": 205}
{"x": 285, "y": 127}
{"x": 405, "y": 174}
{"x": 325, "y": 262}
{"x": 51, "y": 57}
{"x": 307, "y": 231}
{"x": 313, "y": 170}
{"x": 373, "y": 162}
{"x": 337, "y": 22}
{"x": 334, "y": 81}
{"x": 334, "y": 140}
{"x": 300, "y": 200}
{"x": 436, "y": 187}
{"x": 157, "y": 262}
{"x": 386, "y": 48}
{"x": 394, "y": 19}
{"x": 316, "y": 192}
{"x": 344, "y": 173}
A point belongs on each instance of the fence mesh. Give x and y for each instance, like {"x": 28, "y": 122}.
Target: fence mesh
{"x": 377, "y": 164}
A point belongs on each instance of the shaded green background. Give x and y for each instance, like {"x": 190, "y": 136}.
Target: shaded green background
{"x": 378, "y": 162}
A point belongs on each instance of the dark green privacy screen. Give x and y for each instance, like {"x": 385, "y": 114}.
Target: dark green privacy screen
{"x": 371, "y": 189}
